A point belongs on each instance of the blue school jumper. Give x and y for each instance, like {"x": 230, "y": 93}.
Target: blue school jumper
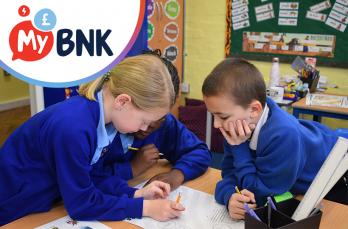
{"x": 289, "y": 154}
{"x": 178, "y": 144}
{"x": 49, "y": 157}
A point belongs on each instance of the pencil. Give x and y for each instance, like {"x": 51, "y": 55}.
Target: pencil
{"x": 178, "y": 198}
{"x": 132, "y": 148}
{"x": 237, "y": 190}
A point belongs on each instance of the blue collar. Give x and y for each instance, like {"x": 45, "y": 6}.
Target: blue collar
{"x": 105, "y": 133}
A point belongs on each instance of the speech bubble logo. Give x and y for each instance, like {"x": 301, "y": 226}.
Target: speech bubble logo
{"x": 29, "y": 44}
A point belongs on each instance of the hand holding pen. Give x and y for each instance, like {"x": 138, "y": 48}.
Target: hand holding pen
{"x": 144, "y": 158}
{"x": 236, "y": 203}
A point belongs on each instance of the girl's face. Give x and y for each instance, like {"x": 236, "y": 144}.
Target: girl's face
{"x": 129, "y": 119}
{"x": 225, "y": 111}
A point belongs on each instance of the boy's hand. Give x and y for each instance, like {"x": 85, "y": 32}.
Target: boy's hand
{"x": 236, "y": 203}
{"x": 162, "y": 209}
{"x": 144, "y": 158}
{"x": 175, "y": 178}
{"x": 239, "y": 131}
{"x": 155, "y": 190}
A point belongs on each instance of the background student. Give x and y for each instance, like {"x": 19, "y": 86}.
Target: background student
{"x": 51, "y": 155}
{"x": 267, "y": 151}
{"x": 189, "y": 156}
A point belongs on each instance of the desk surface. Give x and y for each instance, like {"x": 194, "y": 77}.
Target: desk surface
{"x": 334, "y": 215}
{"x": 301, "y": 104}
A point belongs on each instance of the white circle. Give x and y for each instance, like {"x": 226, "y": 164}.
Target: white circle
{"x": 120, "y": 17}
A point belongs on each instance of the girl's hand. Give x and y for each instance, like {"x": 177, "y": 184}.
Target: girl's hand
{"x": 162, "y": 209}
{"x": 155, "y": 190}
{"x": 239, "y": 131}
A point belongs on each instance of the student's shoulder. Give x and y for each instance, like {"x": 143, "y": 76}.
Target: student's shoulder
{"x": 172, "y": 122}
{"x": 76, "y": 111}
{"x": 279, "y": 123}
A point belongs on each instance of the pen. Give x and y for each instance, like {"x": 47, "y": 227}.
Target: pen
{"x": 251, "y": 212}
{"x": 161, "y": 155}
{"x": 270, "y": 202}
{"x": 269, "y": 212}
{"x": 237, "y": 190}
{"x": 178, "y": 198}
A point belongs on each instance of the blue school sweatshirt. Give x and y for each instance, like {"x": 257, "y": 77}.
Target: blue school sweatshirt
{"x": 289, "y": 154}
{"x": 179, "y": 146}
{"x": 49, "y": 158}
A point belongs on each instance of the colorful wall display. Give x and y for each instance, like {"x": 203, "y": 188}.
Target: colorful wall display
{"x": 288, "y": 28}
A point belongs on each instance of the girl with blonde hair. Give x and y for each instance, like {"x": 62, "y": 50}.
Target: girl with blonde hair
{"x": 51, "y": 156}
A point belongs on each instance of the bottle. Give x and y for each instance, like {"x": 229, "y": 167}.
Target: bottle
{"x": 274, "y": 75}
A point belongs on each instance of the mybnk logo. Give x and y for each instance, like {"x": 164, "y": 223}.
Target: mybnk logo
{"x": 32, "y": 43}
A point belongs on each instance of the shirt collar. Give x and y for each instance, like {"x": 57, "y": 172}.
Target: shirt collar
{"x": 260, "y": 123}
{"x": 105, "y": 133}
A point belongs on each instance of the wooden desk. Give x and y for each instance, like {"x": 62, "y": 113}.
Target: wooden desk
{"x": 300, "y": 107}
{"x": 334, "y": 215}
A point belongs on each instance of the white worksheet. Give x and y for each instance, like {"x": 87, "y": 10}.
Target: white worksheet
{"x": 201, "y": 212}
{"x": 66, "y": 222}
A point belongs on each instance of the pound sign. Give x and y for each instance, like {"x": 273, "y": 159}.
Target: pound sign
{"x": 44, "y": 20}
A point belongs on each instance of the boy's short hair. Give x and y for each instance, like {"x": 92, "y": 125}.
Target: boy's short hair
{"x": 238, "y": 78}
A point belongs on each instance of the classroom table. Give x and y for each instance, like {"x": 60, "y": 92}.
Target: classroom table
{"x": 334, "y": 215}
{"x": 300, "y": 107}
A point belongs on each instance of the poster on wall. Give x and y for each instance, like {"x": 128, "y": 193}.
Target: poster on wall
{"x": 289, "y": 43}
{"x": 289, "y": 28}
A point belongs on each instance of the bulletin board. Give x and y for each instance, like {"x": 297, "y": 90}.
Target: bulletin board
{"x": 262, "y": 29}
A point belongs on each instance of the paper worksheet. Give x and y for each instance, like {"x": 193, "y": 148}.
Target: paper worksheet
{"x": 66, "y": 222}
{"x": 201, "y": 211}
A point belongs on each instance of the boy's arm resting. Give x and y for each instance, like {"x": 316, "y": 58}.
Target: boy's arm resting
{"x": 82, "y": 198}
{"x": 183, "y": 148}
{"x": 274, "y": 169}
{"x": 226, "y": 187}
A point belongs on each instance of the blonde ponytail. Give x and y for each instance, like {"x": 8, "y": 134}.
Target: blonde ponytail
{"x": 89, "y": 89}
{"x": 145, "y": 78}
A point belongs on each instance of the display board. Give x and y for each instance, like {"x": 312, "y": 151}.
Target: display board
{"x": 262, "y": 29}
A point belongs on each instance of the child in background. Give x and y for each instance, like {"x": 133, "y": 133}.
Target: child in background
{"x": 267, "y": 151}
{"x": 189, "y": 156}
{"x": 51, "y": 155}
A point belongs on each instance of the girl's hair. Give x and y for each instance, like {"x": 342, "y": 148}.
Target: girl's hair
{"x": 144, "y": 78}
{"x": 239, "y": 79}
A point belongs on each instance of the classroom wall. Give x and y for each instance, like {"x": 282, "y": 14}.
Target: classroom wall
{"x": 204, "y": 41}
{"x": 204, "y": 48}
{"x": 12, "y": 88}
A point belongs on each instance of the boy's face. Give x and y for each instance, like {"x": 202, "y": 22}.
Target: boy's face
{"x": 225, "y": 111}
{"x": 141, "y": 134}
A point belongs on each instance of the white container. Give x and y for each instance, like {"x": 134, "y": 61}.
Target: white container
{"x": 276, "y": 93}
{"x": 274, "y": 75}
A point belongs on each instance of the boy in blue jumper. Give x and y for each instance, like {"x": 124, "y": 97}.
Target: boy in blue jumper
{"x": 267, "y": 151}
{"x": 51, "y": 156}
{"x": 189, "y": 156}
